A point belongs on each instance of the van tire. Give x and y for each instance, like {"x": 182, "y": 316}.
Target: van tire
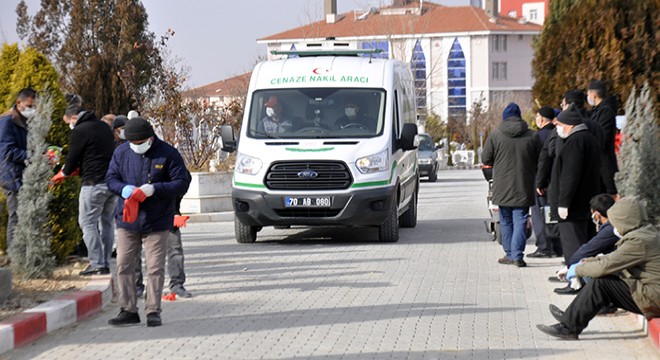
{"x": 409, "y": 218}
{"x": 389, "y": 230}
{"x": 245, "y": 234}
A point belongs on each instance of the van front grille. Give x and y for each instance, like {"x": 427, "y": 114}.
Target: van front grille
{"x": 308, "y": 175}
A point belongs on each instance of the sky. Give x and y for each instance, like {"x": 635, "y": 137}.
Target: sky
{"x": 217, "y": 39}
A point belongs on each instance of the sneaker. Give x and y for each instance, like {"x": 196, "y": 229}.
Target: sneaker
{"x": 505, "y": 261}
{"x": 153, "y": 319}
{"x": 95, "y": 271}
{"x": 125, "y": 318}
{"x": 539, "y": 254}
{"x": 181, "y": 291}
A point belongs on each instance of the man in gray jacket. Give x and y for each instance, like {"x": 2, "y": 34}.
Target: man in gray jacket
{"x": 636, "y": 259}
{"x": 513, "y": 150}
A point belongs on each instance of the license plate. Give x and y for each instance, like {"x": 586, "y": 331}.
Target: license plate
{"x": 307, "y": 201}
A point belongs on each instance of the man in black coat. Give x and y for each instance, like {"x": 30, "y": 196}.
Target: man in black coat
{"x": 604, "y": 115}
{"x": 575, "y": 179}
{"x": 512, "y": 149}
{"x": 91, "y": 145}
{"x": 546, "y": 244}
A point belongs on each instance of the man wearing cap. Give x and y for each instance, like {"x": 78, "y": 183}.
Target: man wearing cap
{"x": 575, "y": 179}
{"x": 149, "y": 175}
{"x": 90, "y": 148}
{"x": 274, "y": 121}
{"x": 604, "y": 114}
{"x": 512, "y": 149}
{"x": 546, "y": 244}
{"x": 118, "y": 129}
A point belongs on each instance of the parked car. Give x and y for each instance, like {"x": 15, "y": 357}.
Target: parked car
{"x": 427, "y": 158}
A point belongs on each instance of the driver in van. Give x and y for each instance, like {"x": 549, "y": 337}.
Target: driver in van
{"x": 353, "y": 117}
{"x": 274, "y": 121}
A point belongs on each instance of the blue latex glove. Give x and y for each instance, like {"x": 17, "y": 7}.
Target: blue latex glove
{"x": 127, "y": 191}
{"x": 571, "y": 271}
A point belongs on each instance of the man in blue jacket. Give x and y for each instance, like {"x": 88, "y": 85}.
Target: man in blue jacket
{"x": 149, "y": 175}
{"x": 13, "y": 153}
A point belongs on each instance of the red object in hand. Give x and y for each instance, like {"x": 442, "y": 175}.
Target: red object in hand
{"x": 58, "y": 178}
{"x": 75, "y": 172}
{"x": 169, "y": 297}
{"x": 131, "y": 209}
{"x": 138, "y": 195}
{"x": 180, "y": 221}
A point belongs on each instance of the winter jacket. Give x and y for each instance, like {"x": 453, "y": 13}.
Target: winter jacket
{"x": 604, "y": 116}
{"x": 91, "y": 144}
{"x": 161, "y": 166}
{"x": 513, "y": 150}
{"x": 603, "y": 243}
{"x": 13, "y": 149}
{"x": 637, "y": 256}
{"x": 575, "y": 174}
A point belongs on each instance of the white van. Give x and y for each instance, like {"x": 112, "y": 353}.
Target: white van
{"x": 326, "y": 139}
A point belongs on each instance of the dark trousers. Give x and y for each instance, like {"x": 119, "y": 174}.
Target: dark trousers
{"x": 11, "y": 197}
{"x": 573, "y": 233}
{"x": 598, "y": 293}
{"x": 547, "y": 237}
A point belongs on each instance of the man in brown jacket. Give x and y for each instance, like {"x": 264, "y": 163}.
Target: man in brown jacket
{"x": 637, "y": 262}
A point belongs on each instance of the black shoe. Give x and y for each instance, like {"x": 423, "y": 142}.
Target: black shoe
{"x": 519, "y": 263}
{"x": 153, "y": 319}
{"x": 505, "y": 261}
{"x": 556, "y": 312}
{"x": 539, "y": 254}
{"x": 568, "y": 290}
{"x": 555, "y": 279}
{"x": 125, "y": 318}
{"x": 558, "y": 330}
{"x": 95, "y": 271}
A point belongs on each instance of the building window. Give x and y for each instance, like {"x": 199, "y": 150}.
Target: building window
{"x": 499, "y": 43}
{"x": 499, "y": 70}
{"x": 456, "y": 81}
{"x": 418, "y": 67}
{"x": 383, "y": 45}
{"x": 533, "y": 15}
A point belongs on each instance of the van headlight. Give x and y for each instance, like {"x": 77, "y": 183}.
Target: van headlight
{"x": 248, "y": 165}
{"x": 373, "y": 163}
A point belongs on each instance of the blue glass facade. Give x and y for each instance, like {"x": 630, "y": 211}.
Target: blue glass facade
{"x": 456, "y": 81}
{"x": 383, "y": 45}
{"x": 418, "y": 67}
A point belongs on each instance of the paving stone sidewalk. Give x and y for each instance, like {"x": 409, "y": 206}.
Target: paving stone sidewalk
{"x": 335, "y": 293}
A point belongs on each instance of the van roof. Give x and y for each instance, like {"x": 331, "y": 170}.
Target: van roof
{"x": 322, "y": 71}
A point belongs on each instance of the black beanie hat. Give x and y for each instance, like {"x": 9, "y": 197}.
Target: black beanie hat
{"x": 570, "y": 116}
{"x": 547, "y": 112}
{"x": 119, "y": 121}
{"x": 597, "y": 85}
{"x": 138, "y": 129}
{"x": 575, "y": 96}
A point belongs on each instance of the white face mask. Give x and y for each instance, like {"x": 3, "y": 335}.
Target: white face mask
{"x": 121, "y": 134}
{"x": 350, "y": 112}
{"x": 617, "y": 234}
{"x": 591, "y": 101}
{"x": 142, "y": 148}
{"x": 560, "y": 131}
{"x": 28, "y": 112}
{"x": 72, "y": 125}
{"x": 270, "y": 111}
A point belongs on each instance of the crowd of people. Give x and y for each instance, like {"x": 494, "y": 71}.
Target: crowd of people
{"x": 132, "y": 184}
{"x": 563, "y": 174}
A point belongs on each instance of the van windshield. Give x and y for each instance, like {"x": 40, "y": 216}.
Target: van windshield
{"x": 313, "y": 113}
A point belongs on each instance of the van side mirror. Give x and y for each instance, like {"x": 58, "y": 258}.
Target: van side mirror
{"x": 228, "y": 138}
{"x": 408, "y": 135}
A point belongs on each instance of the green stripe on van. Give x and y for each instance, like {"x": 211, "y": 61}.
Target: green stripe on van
{"x": 377, "y": 183}
{"x": 309, "y": 150}
{"x": 256, "y": 186}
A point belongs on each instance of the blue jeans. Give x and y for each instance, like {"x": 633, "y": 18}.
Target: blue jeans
{"x": 513, "y": 224}
{"x": 96, "y": 220}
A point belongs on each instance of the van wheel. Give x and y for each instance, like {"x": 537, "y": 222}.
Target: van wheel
{"x": 434, "y": 175}
{"x": 409, "y": 218}
{"x": 389, "y": 230}
{"x": 245, "y": 233}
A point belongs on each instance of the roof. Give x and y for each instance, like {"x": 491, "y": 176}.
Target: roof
{"x": 434, "y": 19}
{"x": 234, "y": 86}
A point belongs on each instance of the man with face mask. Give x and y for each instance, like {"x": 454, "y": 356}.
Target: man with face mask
{"x": 353, "y": 117}
{"x": 575, "y": 180}
{"x": 149, "y": 175}
{"x": 118, "y": 129}
{"x": 91, "y": 145}
{"x": 13, "y": 153}
{"x": 603, "y": 113}
{"x": 274, "y": 121}
{"x": 637, "y": 262}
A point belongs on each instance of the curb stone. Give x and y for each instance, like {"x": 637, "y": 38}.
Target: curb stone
{"x": 31, "y": 324}
{"x": 652, "y": 329}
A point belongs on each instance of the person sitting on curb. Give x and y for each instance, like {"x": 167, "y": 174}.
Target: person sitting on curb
{"x": 603, "y": 243}
{"x": 637, "y": 258}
